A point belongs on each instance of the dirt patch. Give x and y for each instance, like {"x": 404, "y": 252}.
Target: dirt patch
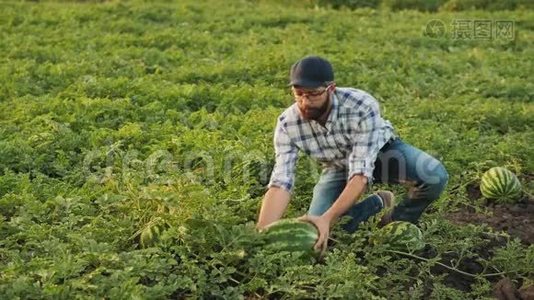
{"x": 515, "y": 219}
{"x": 505, "y": 289}
{"x": 472, "y": 265}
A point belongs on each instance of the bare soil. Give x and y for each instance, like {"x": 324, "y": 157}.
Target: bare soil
{"x": 515, "y": 219}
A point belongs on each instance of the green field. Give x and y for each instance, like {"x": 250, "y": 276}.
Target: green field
{"x": 120, "y": 117}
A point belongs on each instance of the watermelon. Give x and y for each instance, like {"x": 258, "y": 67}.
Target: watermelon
{"x": 500, "y": 183}
{"x": 399, "y": 235}
{"x": 291, "y": 235}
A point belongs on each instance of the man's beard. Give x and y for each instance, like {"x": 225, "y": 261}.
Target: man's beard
{"x": 314, "y": 113}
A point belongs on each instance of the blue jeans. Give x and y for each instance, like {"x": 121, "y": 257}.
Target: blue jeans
{"x": 396, "y": 163}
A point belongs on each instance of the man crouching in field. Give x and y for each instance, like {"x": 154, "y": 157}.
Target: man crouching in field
{"x": 343, "y": 130}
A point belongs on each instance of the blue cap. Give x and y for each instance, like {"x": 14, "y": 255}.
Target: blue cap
{"x": 311, "y": 71}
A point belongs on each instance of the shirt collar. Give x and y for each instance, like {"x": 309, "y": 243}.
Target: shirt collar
{"x": 334, "y": 111}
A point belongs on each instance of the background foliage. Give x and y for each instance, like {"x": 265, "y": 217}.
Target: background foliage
{"x": 116, "y": 117}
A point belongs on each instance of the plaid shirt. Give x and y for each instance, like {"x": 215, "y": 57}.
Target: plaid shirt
{"x": 350, "y": 139}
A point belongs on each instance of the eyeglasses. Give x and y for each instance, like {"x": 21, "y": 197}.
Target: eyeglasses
{"x": 299, "y": 94}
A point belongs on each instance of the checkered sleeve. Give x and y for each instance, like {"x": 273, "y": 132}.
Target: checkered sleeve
{"x": 366, "y": 143}
{"x": 283, "y": 174}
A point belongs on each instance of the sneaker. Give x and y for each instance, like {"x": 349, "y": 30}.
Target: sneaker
{"x": 389, "y": 203}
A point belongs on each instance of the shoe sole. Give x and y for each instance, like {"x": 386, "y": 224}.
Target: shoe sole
{"x": 388, "y": 199}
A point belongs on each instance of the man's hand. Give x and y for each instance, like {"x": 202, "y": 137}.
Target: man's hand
{"x": 323, "y": 225}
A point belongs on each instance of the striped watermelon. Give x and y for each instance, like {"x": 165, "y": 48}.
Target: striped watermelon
{"x": 500, "y": 183}
{"x": 291, "y": 235}
{"x": 399, "y": 235}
